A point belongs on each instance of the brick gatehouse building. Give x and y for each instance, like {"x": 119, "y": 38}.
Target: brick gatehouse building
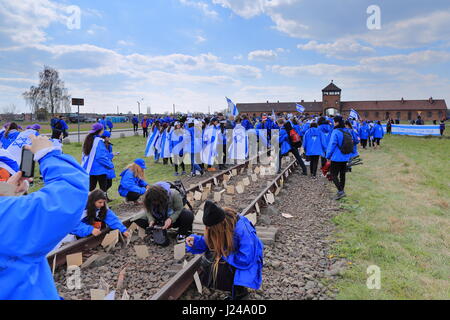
{"x": 403, "y": 110}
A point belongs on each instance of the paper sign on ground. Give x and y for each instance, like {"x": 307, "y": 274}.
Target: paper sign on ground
{"x": 215, "y": 181}
{"x": 132, "y": 227}
{"x": 204, "y": 196}
{"x": 198, "y": 196}
{"x": 234, "y": 172}
{"x": 111, "y": 238}
{"x": 257, "y": 170}
{"x": 208, "y": 186}
{"x": 286, "y": 215}
{"x": 179, "y": 251}
{"x": 254, "y": 177}
{"x": 75, "y": 259}
{"x": 246, "y": 181}
{"x": 111, "y": 296}
{"x": 230, "y": 189}
{"x": 141, "y": 233}
{"x": 217, "y": 196}
{"x": 199, "y": 216}
{"x": 89, "y": 261}
{"x": 141, "y": 251}
{"x": 103, "y": 285}
{"x": 198, "y": 283}
{"x": 252, "y": 218}
{"x": 240, "y": 189}
{"x": 258, "y": 210}
{"x": 228, "y": 199}
{"x": 98, "y": 294}
{"x": 270, "y": 198}
{"x": 125, "y": 295}
{"x": 277, "y": 191}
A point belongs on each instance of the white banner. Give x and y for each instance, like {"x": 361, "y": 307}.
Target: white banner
{"x": 414, "y": 130}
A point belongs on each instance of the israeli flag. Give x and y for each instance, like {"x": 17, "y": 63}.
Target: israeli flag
{"x": 7, "y": 162}
{"x": 299, "y": 108}
{"x": 274, "y": 116}
{"x": 151, "y": 148}
{"x": 354, "y": 114}
{"x": 238, "y": 149}
{"x": 232, "y": 107}
{"x": 210, "y": 140}
{"x": 23, "y": 139}
{"x": 88, "y": 160}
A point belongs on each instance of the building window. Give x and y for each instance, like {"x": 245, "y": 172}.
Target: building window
{"x": 430, "y": 114}
{"x": 366, "y": 114}
{"x": 377, "y": 114}
{"x": 440, "y": 115}
{"x": 387, "y": 115}
{"x": 399, "y": 115}
{"x": 409, "y": 115}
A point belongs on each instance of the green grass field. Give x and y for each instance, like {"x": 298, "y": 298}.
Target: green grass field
{"x": 397, "y": 217}
{"x": 73, "y": 127}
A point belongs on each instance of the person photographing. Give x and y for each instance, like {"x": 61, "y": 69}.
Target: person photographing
{"x": 32, "y": 225}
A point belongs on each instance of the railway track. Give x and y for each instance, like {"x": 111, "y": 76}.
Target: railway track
{"x": 181, "y": 281}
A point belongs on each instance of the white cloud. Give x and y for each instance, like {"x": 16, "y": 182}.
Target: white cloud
{"x": 204, "y": 7}
{"x": 125, "y": 43}
{"x": 95, "y": 29}
{"x": 341, "y": 48}
{"x": 420, "y": 58}
{"x": 199, "y": 39}
{"x": 262, "y": 55}
{"x": 413, "y": 32}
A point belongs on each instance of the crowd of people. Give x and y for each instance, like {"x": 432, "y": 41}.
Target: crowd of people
{"x": 233, "y": 257}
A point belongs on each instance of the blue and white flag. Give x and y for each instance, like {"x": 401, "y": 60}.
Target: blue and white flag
{"x": 23, "y": 139}
{"x": 232, "y": 107}
{"x": 274, "y": 116}
{"x": 238, "y": 149}
{"x": 152, "y": 141}
{"x": 7, "y": 162}
{"x": 88, "y": 160}
{"x": 165, "y": 143}
{"x": 177, "y": 142}
{"x": 299, "y": 108}
{"x": 354, "y": 114}
{"x": 210, "y": 140}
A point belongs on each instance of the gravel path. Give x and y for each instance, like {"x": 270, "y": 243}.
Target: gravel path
{"x": 297, "y": 264}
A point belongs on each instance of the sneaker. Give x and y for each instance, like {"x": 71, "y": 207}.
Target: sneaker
{"x": 340, "y": 195}
{"x": 176, "y": 174}
{"x": 181, "y": 238}
{"x": 183, "y": 173}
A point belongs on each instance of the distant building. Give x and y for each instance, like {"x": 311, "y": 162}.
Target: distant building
{"x": 331, "y": 103}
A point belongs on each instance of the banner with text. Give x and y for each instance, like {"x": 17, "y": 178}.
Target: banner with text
{"x": 414, "y": 130}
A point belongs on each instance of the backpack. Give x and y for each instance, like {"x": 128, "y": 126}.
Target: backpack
{"x": 58, "y": 125}
{"x": 178, "y": 185}
{"x": 295, "y": 138}
{"x": 347, "y": 143}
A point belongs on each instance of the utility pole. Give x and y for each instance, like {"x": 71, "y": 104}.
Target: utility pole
{"x": 139, "y": 109}
{"x": 117, "y": 110}
{"x": 174, "y": 109}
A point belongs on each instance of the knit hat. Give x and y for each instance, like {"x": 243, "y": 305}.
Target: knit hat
{"x": 212, "y": 214}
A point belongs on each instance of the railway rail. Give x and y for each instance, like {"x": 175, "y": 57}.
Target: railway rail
{"x": 181, "y": 281}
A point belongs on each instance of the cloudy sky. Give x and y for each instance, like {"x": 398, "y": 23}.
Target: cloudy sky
{"x": 193, "y": 53}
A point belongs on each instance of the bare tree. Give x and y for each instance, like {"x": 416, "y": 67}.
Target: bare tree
{"x": 50, "y": 94}
{"x": 9, "y": 112}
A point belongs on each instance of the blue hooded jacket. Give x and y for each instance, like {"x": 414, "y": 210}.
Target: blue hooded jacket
{"x": 364, "y": 131}
{"x": 285, "y": 146}
{"x": 314, "y": 142}
{"x": 326, "y": 131}
{"x": 247, "y": 257}
{"x": 32, "y": 225}
{"x": 84, "y": 229}
{"x": 102, "y": 163}
{"x": 333, "y": 151}
{"x": 111, "y": 172}
{"x": 247, "y": 124}
{"x": 377, "y": 131}
{"x": 130, "y": 183}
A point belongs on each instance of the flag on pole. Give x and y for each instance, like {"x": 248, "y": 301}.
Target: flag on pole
{"x": 274, "y": 116}
{"x": 300, "y": 108}
{"x": 354, "y": 114}
{"x": 232, "y": 107}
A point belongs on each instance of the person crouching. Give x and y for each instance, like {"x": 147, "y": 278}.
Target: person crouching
{"x": 132, "y": 184}
{"x": 234, "y": 254}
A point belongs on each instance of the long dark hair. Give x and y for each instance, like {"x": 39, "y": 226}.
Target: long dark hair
{"x": 156, "y": 199}
{"x": 89, "y": 142}
{"x": 12, "y": 126}
{"x": 91, "y": 209}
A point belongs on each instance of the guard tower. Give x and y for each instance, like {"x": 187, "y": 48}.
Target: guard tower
{"x": 331, "y": 98}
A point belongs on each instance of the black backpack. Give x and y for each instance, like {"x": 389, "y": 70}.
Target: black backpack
{"x": 347, "y": 143}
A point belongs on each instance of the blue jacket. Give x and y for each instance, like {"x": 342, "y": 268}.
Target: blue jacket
{"x": 285, "y": 146}
{"x": 135, "y": 120}
{"x": 6, "y": 141}
{"x": 326, "y": 131}
{"x": 364, "y": 131}
{"x": 130, "y": 183}
{"x": 102, "y": 122}
{"x": 247, "y": 124}
{"x": 377, "y": 131}
{"x": 102, "y": 162}
{"x": 314, "y": 142}
{"x": 305, "y": 128}
{"x": 109, "y": 124}
{"x": 32, "y": 225}
{"x": 333, "y": 151}
{"x": 356, "y": 140}
{"x": 111, "y": 173}
{"x": 84, "y": 229}
{"x": 64, "y": 125}
{"x": 247, "y": 257}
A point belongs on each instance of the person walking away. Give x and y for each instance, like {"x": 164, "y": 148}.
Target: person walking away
{"x": 109, "y": 124}
{"x": 289, "y": 141}
{"x": 96, "y": 159}
{"x": 314, "y": 144}
{"x": 442, "y": 127}
{"x": 339, "y": 152}
{"x": 165, "y": 209}
{"x": 132, "y": 184}
{"x": 32, "y": 225}
{"x": 135, "y": 122}
{"x": 145, "y": 123}
{"x": 364, "y": 132}
{"x": 177, "y": 148}
{"x": 233, "y": 259}
{"x": 378, "y": 134}
{"x": 106, "y": 136}
{"x": 325, "y": 128}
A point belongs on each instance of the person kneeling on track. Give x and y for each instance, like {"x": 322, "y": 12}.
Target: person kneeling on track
{"x": 132, "y": 184}
{"x": 164, "y": 210}
{"x": 233, "y": 257}
{"x": 32, "y": 225}
{"x": 96, "y": 216}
